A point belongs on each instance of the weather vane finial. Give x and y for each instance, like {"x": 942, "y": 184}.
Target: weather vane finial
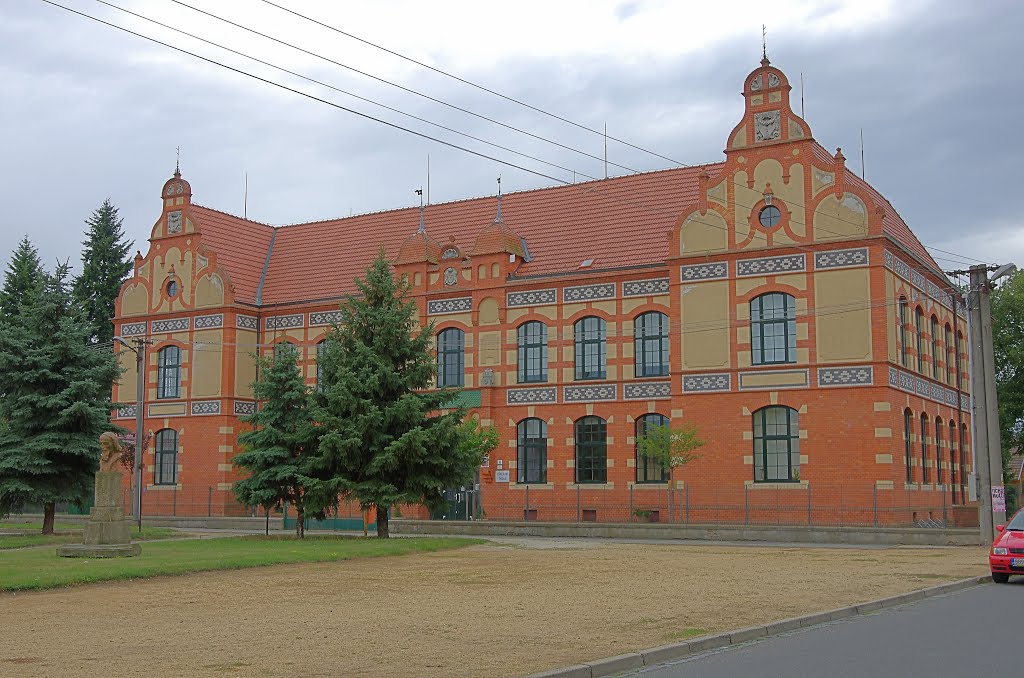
{"x": 764, "y": 44}
{"x": 177, "y": 161}
{"x": 423, "y": 226}
{"x": 497, "y": 218}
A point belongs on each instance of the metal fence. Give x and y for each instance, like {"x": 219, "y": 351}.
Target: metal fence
{"x": 839, "y": 505}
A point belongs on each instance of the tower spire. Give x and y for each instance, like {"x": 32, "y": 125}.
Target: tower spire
{"x": 764, "y": 45}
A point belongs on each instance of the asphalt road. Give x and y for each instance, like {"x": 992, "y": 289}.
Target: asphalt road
{"x": 975, "y": 632}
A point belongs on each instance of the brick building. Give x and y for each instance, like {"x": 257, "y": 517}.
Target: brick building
{"x": 774, "y": 299}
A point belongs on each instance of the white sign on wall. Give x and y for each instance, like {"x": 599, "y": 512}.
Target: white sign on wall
{"x": 998, "y": 499}
{"x": 501, "y": 476}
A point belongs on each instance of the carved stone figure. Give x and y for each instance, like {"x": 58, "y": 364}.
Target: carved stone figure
{"x": 110, "y": 451}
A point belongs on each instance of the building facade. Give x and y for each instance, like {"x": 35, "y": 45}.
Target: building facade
{"x": 774, "y": 300}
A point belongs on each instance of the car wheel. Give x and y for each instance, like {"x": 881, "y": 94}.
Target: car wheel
{"x": 1000, "y": 577}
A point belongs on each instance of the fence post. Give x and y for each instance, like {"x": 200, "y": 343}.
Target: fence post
{"x": 579, "y": 515}
{"x": 808, "y": 504}
{"x": 874, "y": 502}
{"x": 746, "y": 505}
{"x": 526, "y": 511}
{"x": 632, "y": 516}
{"x": 686, "y": 498}
{"x": 209, "y": 502}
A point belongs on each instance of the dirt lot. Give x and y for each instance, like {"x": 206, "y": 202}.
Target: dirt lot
{"x": 501, "y": 609}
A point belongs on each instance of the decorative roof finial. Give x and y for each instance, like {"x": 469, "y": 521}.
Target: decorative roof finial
{"x": 423, "y": 227}
{"x": 177, "y": 161}
{"x": 497, "y": 217}
{"x": 764, "y": 45}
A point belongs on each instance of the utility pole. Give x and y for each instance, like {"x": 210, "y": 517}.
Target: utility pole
{"x": 140, "y": 402}
{"x": 988, "y": 450}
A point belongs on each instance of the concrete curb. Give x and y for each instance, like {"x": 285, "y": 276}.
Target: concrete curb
{"x": 665, "y": 653}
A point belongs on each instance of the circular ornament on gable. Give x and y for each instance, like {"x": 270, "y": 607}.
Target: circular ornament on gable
{"x": 769, "y": 216}
{"x": 172, "y": 288}
{"x": 451, "y": 276}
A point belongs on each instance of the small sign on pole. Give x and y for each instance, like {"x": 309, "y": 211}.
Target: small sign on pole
{"x": 501, "y": 476}
{"x": 998, "y": 499}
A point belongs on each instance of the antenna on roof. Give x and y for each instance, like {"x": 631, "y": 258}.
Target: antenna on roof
{"x": 245, "y": 198}
{"x": 423, "y": 226}
{"x": 802, "y": 95}
{"x": 862, "y": 172}
{"x": 606, "y": 150}
{"x": 428, "y": 178}
{"x": 497, "y": 217}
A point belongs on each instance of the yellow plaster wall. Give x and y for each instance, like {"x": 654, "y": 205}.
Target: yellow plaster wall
{"x": 817, "y": 185}
{"x": 705, "y": 307}
{"x": 489, "y": 311}
{"x": 210, "y": 291}
{"x": 892, "y": 319}
{"x": 490, "y": 349}
{"x": 207, "y": 363}
{"x": 706, "y": 232}
{"x": 794, "y": 280}
{"x": 840, "y": 218}
{"x": 133, "y": 301}
{"x": 128, "y": 383}
{"x": 843, "y": 335}
{"x": 719, "y": 193}
{"x": 245, "y": 363}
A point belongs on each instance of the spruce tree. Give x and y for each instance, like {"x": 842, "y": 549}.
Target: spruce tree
{"x": 56, "y": 402}
{"x": 24, "y": 279}
{"x": 384, "y": 438}
{"x": 275, "y": 451}
{"x": 105, "y": 266}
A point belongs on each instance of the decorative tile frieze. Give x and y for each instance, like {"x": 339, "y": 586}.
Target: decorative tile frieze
{"x": 588, "y": 292}
{"x": 841, "y": 258}
{"x": 653, "y": 390}
{"x": 645, "y": 288}
{"x": 206, "y": 322}
{"x": 707, "y": 383}
{"x": 205, "y": 407}
{"x": 907, "y": 382}
{"x": 965, "y": 402}
{"x": 244, "y": 407}
{"x": 165, "y": 326}
{"x": 246, "y": 322}
{"x": 133, "y": 329}
{"x": 531, "y": 396}
{"x": 284, "y": 322}
{"x": 790, "y": 263}
{"x": 718, "y": 270}
{"x": 589, "y": 394}
{"x": 453, "y": 305}
{"x": 324, "y": 318}
{"x": 913, "y": 384}
{"x": 917, "y": 280}
{"x": 922, "y": 387}
{"x": 531, "y": 298}
{"x": 127, "y": 412}
{"x": 894, "y": 377}
{"x": 845, "y": 376}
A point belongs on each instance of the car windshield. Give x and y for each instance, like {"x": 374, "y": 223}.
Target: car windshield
{"x": 1017, "y": 523}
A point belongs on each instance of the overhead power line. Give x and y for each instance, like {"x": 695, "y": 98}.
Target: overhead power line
{"x": 401, "y": 87}
{"x": 476, "y": 85}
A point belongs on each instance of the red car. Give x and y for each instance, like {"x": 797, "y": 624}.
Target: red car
{"x": 1007, "y": 554}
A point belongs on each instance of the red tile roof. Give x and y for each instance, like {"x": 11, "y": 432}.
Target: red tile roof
{"x": 617, "y": 222}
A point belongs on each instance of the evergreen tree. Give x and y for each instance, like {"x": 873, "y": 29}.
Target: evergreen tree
{"x": 24, "y": 279}
{"x": 275, "y": 451}
{"x": 105, "y": 266}
{"x": 384, "y": 439}
{"x": 56, "y": 402}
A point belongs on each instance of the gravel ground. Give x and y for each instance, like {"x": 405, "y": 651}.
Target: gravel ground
{"x": 501, "y": 609}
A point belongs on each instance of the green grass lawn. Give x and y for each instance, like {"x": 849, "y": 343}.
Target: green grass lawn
{"x": 41, "y": 568}
{"x": 34, "y": 538}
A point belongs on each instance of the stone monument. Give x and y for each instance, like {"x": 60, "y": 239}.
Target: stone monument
{"x": 108, "y": 533}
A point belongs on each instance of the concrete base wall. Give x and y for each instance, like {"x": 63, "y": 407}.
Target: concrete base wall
{"x": 210, "y": 523}
{"x": 803, "y": 535}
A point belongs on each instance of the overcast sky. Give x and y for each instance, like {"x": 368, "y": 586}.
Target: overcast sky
{"x": 89, "y": 112}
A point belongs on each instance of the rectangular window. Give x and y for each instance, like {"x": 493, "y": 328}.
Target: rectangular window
{"x": 166, "y": 447}
{"x": 450, "y": 358}
{"x": 533, "y": 352}
{"x": 591, "y": 450}
{"x": 590, "y": 349}
{"x": 651, "y": 344}
{"x": 776, "y": 445}
{"x": 168, "y": 381}
{"x": 532, "y": 464}
{"x": 773, "y": 329}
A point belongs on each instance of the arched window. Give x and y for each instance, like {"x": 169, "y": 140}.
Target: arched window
{"x": 590, "y": 348}
{"x": 591, "y": 450}
{"x": 919, "y": 326}
{"x": 283, "y": 349}
{"x": 168, "y": 373}
{"x": 649, "y": 470}
{"x": 952, "y": 459}
{"x": 532, "y": 466}
{"x": 166, "y": 471}
{"x": 450, "y": 357}
{"x": 533, "y": 352}
{"x": 924, "y": 448}
{"x": 773, "y": 328}
{"x": 908, "y": 440}
{"x": 776, "y": 444}
{"x": 650, "y": 331}
{"x": 950, "y": 357}
{"x": 963, "y": 360}
{"x": 938, "y": 451}
{"x": 321, "y": 352}
{"x": 902, "y": 332}
{"x": 963, "y": 462}
{"x": 936, "y": 353}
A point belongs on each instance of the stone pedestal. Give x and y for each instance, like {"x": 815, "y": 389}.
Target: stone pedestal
{"x": 107, "y": 534}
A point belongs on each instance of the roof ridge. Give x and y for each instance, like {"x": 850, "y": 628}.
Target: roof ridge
{"x": 233, "y": 216}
